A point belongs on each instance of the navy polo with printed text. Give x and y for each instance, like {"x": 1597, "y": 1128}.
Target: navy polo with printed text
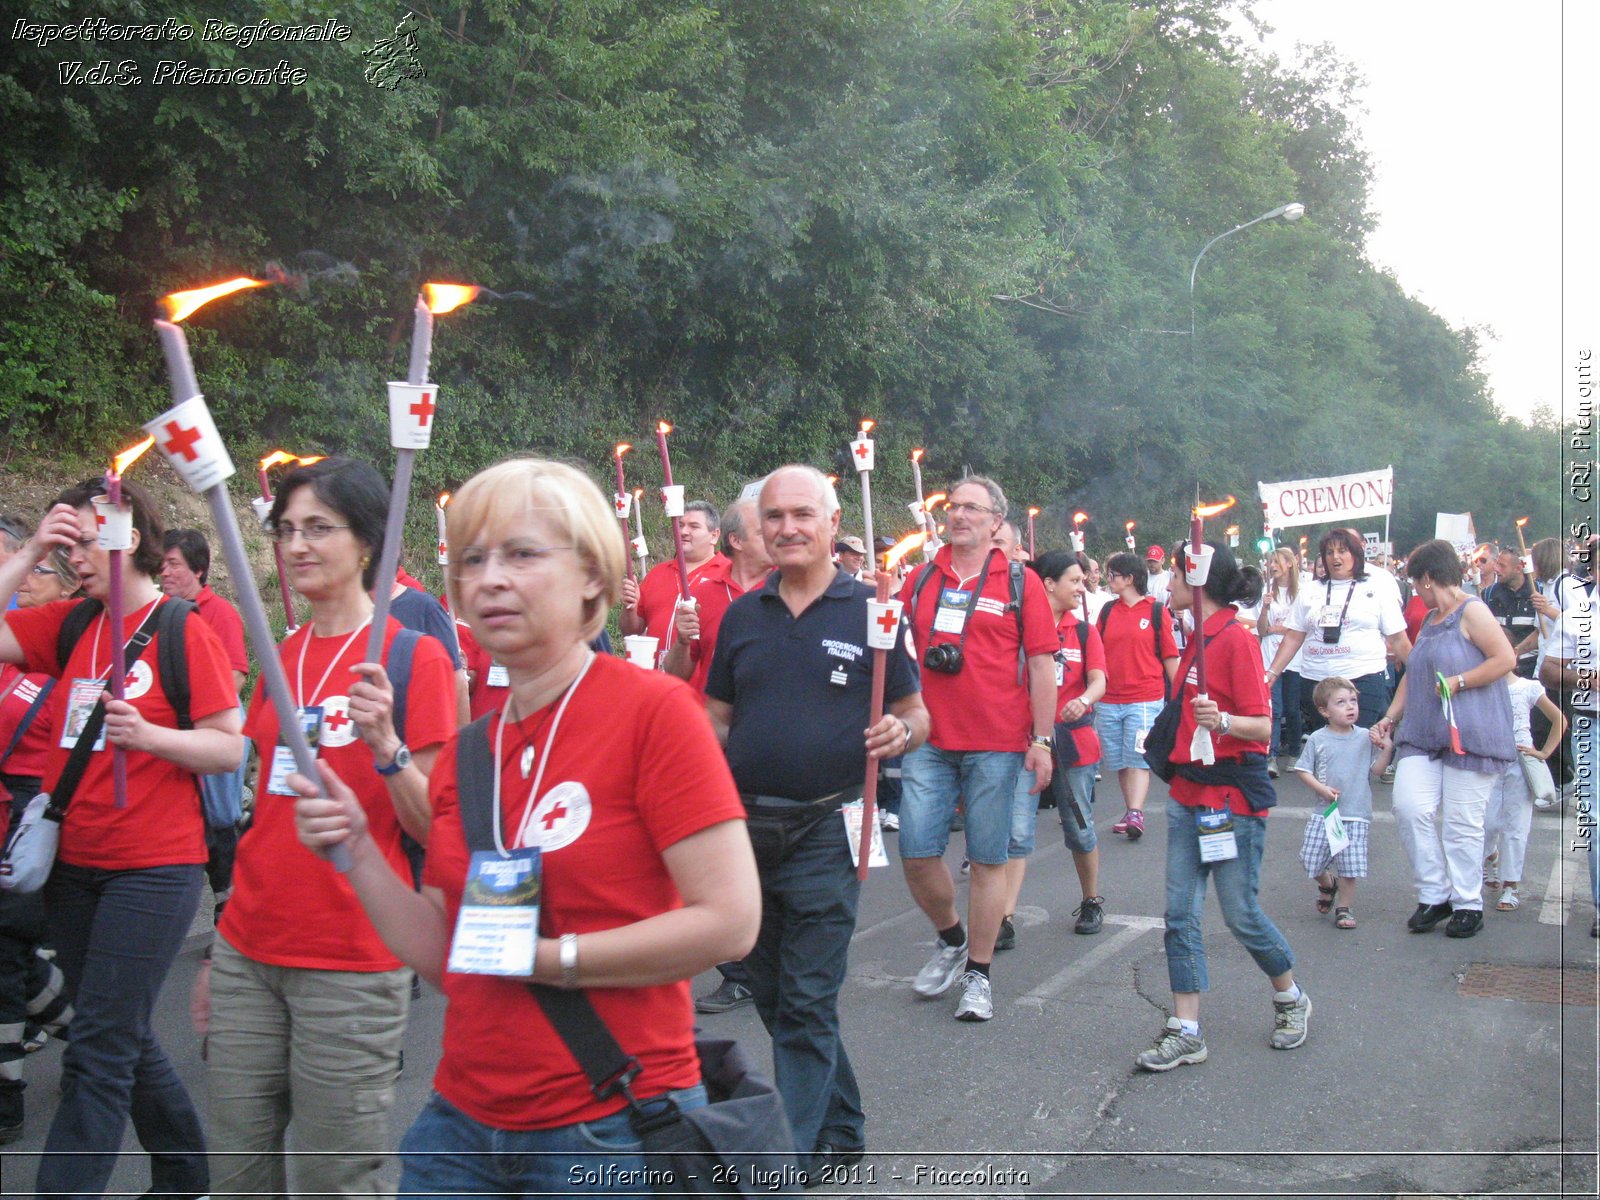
{"x": 801, "y": 688}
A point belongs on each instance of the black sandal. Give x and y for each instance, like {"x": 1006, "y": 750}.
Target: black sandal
{"x": 1325, "y": 897}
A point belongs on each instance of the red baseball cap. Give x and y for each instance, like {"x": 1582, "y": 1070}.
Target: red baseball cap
{"x": 1155, "y": 552}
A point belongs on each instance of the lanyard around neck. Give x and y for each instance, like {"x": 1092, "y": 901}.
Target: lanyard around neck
{"x": 94, "y": 644}
{"x": 544, "y": 760}
{"x": 300, "y": 669}
{"x": 1329, "y": 585}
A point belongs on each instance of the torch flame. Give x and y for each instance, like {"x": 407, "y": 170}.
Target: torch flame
{"x": 444, "y": 498}
{"x": 183, "y": 304}
{"x": 929, "y": 503}
{"x": 638, "y": 493}
{"x": 131, "y": 455}
{"x": 663, "y": 426}
{"x": 867, "y": 425}
{"x": 276, "y": 458}
{"x": 833, "y": 479}
{"x": 623, "y": 448}
{"x": 447, "y": 297}
{"x": 916, "y": 455}
{"x": 1231, "y": 530}
{"x": 306, "y": 462}
{"x": 1521, "y": 521}
{"x": 1210, "y": 510}
{"x": 1129, "y": 525}
{"x": 1034, "y": 512}
{"x": 902, "y": 548}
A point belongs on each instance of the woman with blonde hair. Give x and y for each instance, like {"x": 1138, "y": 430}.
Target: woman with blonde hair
{"x": 607, "y": 795}
{"x": 1283, "y": 589}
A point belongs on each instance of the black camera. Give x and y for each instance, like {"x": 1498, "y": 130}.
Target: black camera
{"x": 1331, "y": 634}
{"x": 946, "y": 659}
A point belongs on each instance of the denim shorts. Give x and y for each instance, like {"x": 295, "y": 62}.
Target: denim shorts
{"x": 1024, "y": 816}
{"x": 1081, "y": 782}
{"x": 986, "y": 782}
{"x": 1120, "y": 728}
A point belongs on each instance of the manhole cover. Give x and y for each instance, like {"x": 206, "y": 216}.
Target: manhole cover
{"x": 1538, "y": 985}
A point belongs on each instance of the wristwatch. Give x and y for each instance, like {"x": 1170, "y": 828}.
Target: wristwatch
{"x": 1044, "y": 743}
{"x": 1224, "y": 723}
{"x": 402, "y": 760}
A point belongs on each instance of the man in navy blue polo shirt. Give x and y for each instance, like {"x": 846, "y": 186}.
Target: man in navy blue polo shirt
{"x": 789, "y": 695}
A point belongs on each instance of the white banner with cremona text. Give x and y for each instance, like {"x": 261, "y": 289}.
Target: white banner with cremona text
{"x": 1325, "y": 501}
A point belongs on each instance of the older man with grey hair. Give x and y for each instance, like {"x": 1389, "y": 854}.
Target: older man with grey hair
{"x": 987, "y": 637}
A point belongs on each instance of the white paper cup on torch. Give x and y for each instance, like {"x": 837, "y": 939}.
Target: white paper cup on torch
{"x": 263, "y": 509}
{"x": 187, "y": 437}
{"x": 672, "y": 499}
{"x": 412, "y": 407}
{"x": 883, "y": 621}
{"x": 1077, "y": 541}
{"x": 641, "y": 650}
{"x": 1197, "y": 565}
{"x": 640, "y": 549}
{"x": 622, "y": 505}
{"x": 113, "y": 524}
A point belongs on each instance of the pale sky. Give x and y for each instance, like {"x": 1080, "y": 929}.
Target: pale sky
{"x": 1464, "y": 105}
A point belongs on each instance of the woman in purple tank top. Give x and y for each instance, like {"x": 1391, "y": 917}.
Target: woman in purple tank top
{"x": 1454, "y": 738}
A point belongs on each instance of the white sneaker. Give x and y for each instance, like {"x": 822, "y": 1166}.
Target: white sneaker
{"x": 977, "y": 998}
{"x": 888, "y": 820}
{"x": 939, "y": 974}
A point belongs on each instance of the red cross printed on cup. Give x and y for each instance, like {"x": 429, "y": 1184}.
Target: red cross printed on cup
{"x": 423, "y": 408}
{"x": 887, "y": 621}
{"x": 181, "y": 441}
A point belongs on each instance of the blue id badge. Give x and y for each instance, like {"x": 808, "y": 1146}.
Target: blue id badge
{"x": 498, "y": 925}
{"x": 1217, "y": 843}
{"x": 283, "y": 764}
{"x": 955, "y": 606}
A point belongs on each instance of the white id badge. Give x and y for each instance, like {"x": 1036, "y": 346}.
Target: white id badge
{"x": 283, "y": 764}
{"x": 1139, "y": 736}
{"x": 81, "y": 699}
{"x": 498, "y": 925}
{"x": 877, "y": 856}
{"x": 955, "y": 606}
{"x": 1329, "y": 618}
{"x": 1217, "y": 843}
{"x": 499, "y": 676}
{"x": 1333, "y": 823}
{"x": 1061, "y": 673}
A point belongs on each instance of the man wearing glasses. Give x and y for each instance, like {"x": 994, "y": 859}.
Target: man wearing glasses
{"x": 986, "y": 638}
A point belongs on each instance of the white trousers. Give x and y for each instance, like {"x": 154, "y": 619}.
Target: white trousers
{"x": 1506, "y": 824}
{"x": 1446, "y": 853}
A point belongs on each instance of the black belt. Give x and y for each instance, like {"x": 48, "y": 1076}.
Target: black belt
{"x": 833, "y": 800}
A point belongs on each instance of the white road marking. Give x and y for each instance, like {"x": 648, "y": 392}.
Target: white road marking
{"x": 1568, "y": 878}
{"x": 1134, "y": 927}
{"x": 1291, "y": 811}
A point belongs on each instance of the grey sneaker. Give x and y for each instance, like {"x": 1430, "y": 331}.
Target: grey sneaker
{"x": 1090, "y": 914}
{"x": 1290, "y": 1021}
{"x": 728, "y": 996}
{"x": 1173, "y": 1048}
{"x": 1006, "y": 939}
{"x": 977, "y": 998}
{"x": 939, "y": 973}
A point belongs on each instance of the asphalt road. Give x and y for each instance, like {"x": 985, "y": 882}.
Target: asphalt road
{"x": 1405, "y": 1086}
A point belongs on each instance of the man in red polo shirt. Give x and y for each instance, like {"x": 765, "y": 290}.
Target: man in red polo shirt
{"x": 742, "y": 565}
{"x": 990, "y": 686}
{"x": 185, "y": 565}
{"x": 648, "y": 605}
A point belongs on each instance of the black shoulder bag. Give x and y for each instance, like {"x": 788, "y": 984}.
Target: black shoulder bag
{"x": 739, "y": 1144}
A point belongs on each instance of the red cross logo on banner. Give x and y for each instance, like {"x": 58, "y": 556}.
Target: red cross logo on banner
{"x": 337, "y": 721}
{"x": 423, "y": 408}
{"x": 888, "y": 621}
{"x": 181, "y": 441}
{"x": 554, "y": 815}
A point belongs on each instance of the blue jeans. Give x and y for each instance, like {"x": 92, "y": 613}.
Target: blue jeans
{"x": 795, "y": 971}
{"x": 985, "y": 780}
{"x": 1286, "y": 722}
{"x": 447, "y": 1153}
{"x": 1373, "y": 692}
{"x": 1237, "y": 879}
{"x": 116, "y": 934}
{"x": 1080, "y": 780}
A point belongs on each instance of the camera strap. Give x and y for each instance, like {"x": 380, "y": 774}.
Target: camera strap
{"x": 932, "y": 570}
{"x": 1328, "y": 585}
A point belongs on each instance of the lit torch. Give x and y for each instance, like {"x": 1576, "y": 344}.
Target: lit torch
{"x": 641, "y": 549}
{"x": 1078, "y": 518}
{"x": 1128, "y": 529}
{"x": 411, "y": 410}
{"x": 883, "y": 625}
{"x": 672, "y": 502}
{"x": 623, "y": 499}
{"x": 188, "y": 439}
{"x": 1521, "y": 541}
{"x": 861, "y": 454}
{"x": 444, "y": 542}
{"x": 1032, "y": 513}
{"x": 1233, "y": 536}
{"x": 922, "y": 505}
{"x": 1196, "y": 569}
{"x": 114, "y": 530}
{"x": 263, "y": 506}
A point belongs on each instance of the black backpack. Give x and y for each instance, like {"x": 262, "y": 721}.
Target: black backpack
{"x": 1015, "y": 606}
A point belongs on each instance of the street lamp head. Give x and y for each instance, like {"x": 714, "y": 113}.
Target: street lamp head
{"x": 1293, "y": 212}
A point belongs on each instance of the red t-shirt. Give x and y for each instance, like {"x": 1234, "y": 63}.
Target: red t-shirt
{"x": 715, "y": 591}
{"x": 289, "y": 907}
{"x": 31, "y": 756}
{"x": 1074, "y": 662}
{"x": 658, "y": 597}
{"x": 1133, "y": 671}
{"x": 639, "y": 753}
{"x": 227, "y": 624}
{"x": 983, "y": 707}
{"x": 1235, "y": 680}
{"x": 1416, "y": 613}
{"x": 161, "y": 824}
{"x": 487, "y": 693}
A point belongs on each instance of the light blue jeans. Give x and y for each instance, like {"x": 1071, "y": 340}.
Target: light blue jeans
{"x": 1237, "y": 879}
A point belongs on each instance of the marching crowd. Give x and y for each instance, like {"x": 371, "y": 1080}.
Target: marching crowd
{"x": 559, "y": 840}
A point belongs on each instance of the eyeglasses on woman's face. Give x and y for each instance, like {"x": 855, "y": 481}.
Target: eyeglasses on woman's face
{"x": 283, "y": 532}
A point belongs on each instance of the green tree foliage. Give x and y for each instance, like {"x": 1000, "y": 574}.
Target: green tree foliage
{"x": 972, "y": 220}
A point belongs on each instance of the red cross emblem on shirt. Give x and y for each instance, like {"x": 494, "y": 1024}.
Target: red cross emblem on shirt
{"x": 181, "y": 441}
{"x": 554, "y": 815}
{"x": 423, "y": 408}
{"x": 888, "y": 621}
{"x": 336, "y": 721}
{"x": 862, "y": 450}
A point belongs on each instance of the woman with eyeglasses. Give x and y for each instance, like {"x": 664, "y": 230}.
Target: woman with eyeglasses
{"x": 127, "y": 877}
{"x": 1345, "y": 624}
{"x": 645, "y": 871}
{"x": 307, "y": 1005}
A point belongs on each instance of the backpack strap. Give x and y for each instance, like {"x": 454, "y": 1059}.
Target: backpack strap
{"x": 397, "y": 665}
{"x": 74, "y": 626}
{"x": 1016, "y": 607}
{"x": 172, "y": 656}
{"x": 475, "y": 783}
